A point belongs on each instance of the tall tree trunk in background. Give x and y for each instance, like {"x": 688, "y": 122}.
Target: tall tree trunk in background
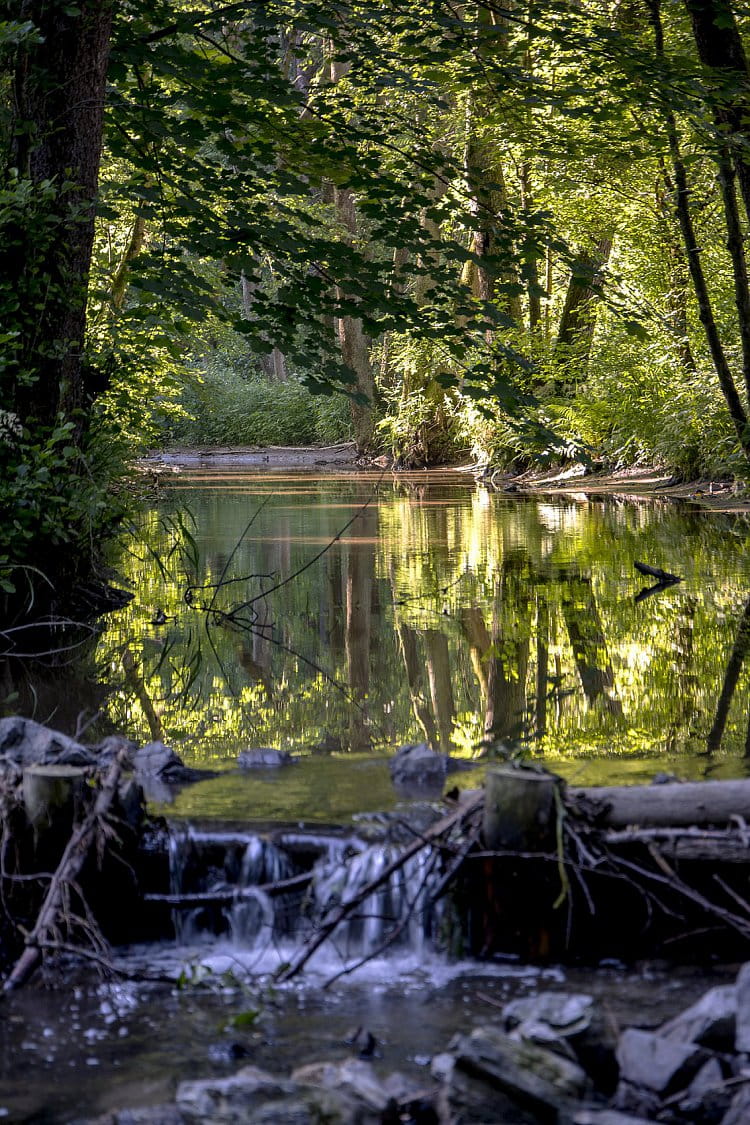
{"x": 355, "y": 345}
{"x": 676, "y": 298}
{"x": 578, "y": 318}
{"x": 727, "y": 383}
{"x": 57, "y": 97}
{"x": 507, "y": 666}
{"x": 274, "y": 363}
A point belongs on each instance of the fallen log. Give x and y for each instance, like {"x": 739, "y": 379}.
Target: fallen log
{"x": 678, "y": 804}
{"x": 67, "y": 872}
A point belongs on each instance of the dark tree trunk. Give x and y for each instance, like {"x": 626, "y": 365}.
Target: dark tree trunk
{"x": 58, "y": 93}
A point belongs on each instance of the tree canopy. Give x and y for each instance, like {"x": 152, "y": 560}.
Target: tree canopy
{"x": 512, "y": 229}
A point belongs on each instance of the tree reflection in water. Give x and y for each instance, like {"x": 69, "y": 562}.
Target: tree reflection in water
{"x": 444, "y": 613}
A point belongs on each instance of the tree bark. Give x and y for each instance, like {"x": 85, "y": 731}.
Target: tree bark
{"x": 692, "y": 250}
{"x": 58, "y": 95}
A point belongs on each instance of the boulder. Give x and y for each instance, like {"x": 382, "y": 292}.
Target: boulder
{"x": 263, "y": 758}
{"x": 566, "y": 1013}
{"x": 660, "y": 1066}
{"x": 230, "y": 1101}
{"x": 710, "y": 1021}
{"x": 417, "y": 766}
{"x": 27, "y": 743}
{"x": 739, "y": 1109}
{"x": 354, "y": 1078}
{"x": 526, "y": 1073}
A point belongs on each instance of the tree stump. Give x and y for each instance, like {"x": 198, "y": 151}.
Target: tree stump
{"x": 519, "y": 810}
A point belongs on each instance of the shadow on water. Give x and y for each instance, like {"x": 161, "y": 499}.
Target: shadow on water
{"x": 421, "y": 608}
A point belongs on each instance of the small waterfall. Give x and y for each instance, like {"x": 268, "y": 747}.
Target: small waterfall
{"x": 242, "y": 872}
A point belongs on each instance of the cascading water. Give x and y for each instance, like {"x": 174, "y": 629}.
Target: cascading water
{"x": 240, "y": 874}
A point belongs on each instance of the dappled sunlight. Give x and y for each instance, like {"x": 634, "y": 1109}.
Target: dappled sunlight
{"x": 444, "y": 613}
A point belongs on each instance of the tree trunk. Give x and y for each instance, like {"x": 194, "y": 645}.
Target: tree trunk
{"x": 355, "y": 345}
{"x": 692, "y": 251}
{"x": 578, "y": 317}
{"x": 58, "y": 94}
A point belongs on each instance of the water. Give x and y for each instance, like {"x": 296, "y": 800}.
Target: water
{"x": 424, "y": 607}
{"x": 442, "y": 612}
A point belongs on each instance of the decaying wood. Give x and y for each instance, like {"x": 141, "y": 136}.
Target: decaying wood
{"x": 656, "y": 572}
{"x": 66, "y": 874}
{"x": 337, "y": 915}
{"x": 719, "y": 846}
{"x": 689, "y": 803}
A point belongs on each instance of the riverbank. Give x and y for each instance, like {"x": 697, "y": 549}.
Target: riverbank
{"x": 635, "y": 483}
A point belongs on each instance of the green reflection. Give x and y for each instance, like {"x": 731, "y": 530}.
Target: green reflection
{"x": 445, "y": 612}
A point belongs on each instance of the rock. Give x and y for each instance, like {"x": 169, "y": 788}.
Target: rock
{"x": 263, "y": 758}
{"x": 419, "y": 766}
{"x": 362, "y": 1041}
{"x": 707, "y": 1098}
{"x": 708, "y": 1077}
{"x": 742, "y": 1038}
{"x": 441, "y": 1067}
{"x": 739, "y": 1109}
{"x": 229, "y": 1101}
{"x": 659, "y": 1065}
{"x": 26, "y": 743}
{"x": 567, "y": 1013}
{"x": 468, "y": 1098}
{"x": 606, "y": 1117}
{"x": 352, "y": 1077}
{"x": 709, "y": 1022}
{"x": 314, "y": 1106}
{"x": 525, "y": 1072}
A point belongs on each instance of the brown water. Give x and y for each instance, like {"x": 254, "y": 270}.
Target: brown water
{"x": 422, "y": 607}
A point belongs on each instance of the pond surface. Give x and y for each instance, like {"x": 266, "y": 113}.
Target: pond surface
{"x": 341, "y": 616}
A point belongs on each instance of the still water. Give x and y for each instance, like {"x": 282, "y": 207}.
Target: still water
{"x": 340, "y": 616}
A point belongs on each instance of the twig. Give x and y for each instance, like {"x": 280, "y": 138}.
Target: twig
{"x": 70, "y": 864}
{"x": 343, "y": 911}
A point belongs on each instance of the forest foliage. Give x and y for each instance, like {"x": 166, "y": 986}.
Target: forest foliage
{"x": 515, "y": 232}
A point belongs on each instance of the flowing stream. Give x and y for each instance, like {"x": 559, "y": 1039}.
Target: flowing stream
{"x": 337, "y": 618}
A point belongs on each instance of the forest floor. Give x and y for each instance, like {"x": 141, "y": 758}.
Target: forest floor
{"x": 718, "y": 495}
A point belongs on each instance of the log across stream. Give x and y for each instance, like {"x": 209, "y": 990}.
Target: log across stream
{"x": 527, "y": 867}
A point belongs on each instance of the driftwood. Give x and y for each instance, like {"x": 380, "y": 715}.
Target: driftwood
{"x": 689, "y": 803}
{"x": 67, "y": 872}
{"x": 662, "y": 576}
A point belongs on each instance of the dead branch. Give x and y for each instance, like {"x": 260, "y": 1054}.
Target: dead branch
{"x": 339, "y": 913}
{"x": 67, "y": 872}
{"x": 227, "y": 897}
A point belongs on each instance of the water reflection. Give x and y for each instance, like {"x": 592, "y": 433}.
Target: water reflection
{"x": 436, "y": 611}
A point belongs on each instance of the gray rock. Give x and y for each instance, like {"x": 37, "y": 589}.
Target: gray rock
{"x": 566, "y": 1013}
{"x": 26, "y": 743}
{"x": 708, "y": 1077}
{"x": 229, "y": 1101}
{"x": 263, "y": 757}
{"x": 739, "y": 1109}
{"x": 538, "y": 1077}
{"x": 354, "y": 1078}
{"x": 742, "y": 1039}
{"x": 710, "y": 1021}
{"x": 418, "y": 766}
{"x": 142, "y": 1115}
{"x": 606, "y": 1117}
{"x": 660, "y": 1065}
{"x": 469, "y": 1099}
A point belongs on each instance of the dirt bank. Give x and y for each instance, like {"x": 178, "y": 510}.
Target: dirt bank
{"x": 718, "y": 495}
